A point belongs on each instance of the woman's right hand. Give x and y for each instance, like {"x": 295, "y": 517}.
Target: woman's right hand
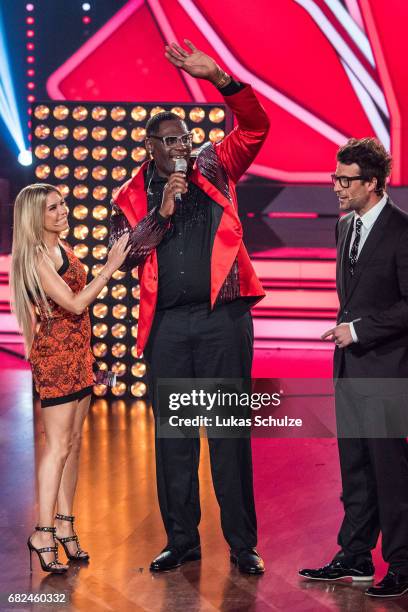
{"x": 118, "y": 252}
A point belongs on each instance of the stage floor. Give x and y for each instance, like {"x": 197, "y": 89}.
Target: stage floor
{"x": 297, "y": 484}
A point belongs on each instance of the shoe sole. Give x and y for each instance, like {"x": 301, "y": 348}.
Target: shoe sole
{"x": 386, "y": 596}
{"x": 354, "y": 578}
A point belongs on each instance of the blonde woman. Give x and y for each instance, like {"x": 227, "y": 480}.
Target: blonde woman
{"x": 50, "y": 300}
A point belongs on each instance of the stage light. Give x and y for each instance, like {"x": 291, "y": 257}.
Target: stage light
{"x": 119, "y": 133}
{"x": 99, "y": 251}
{"x": 42, "y": 151}
{"x": 80, "y": 212}
{"x": 156, "y": 110}
{"x": 100, "y": 390}
{"x": 64, "y": 190}
{"x": 61, "y": 151}
{"x": 61, "y": 132}
{"x": 30, "y": 59}
{"x": 135, "y": 311}
{"x": 96, "y": 268}
{"x": 100, "y": 192}
{"x": 30, "y": 73}
{"x": 198, "y": 135}
{"x": 99, "y": 173}
{"x": 86, "y": 20}
{"x": 118, "y": 173}
{"x": 30, "y": 99}
{"x": 30, "y": 20}
{"x": 138, "y": 389}
{"x": 138, "y": 369}
{"x": 80, "y": 153}
{"x": 81, "y": 232}
{"x": 100, "y": 349}
{"x": 99, "y": 232}
{"x": 100, "y": 212}
{"x": 80, "y": 192}
{"x": 216, "y": 135}
{"x": 25, "y": 158}
{"x": 119, "y": 389}
{"x": 99, "y": 113}
{"x": 197, "y": 114}
{"x": 119, "y": 368}
{"x": 100, "y": 310}
{"x": 135, "y": 273}
{"x": 80, "y": 113}
{"x": 138, "y": 113}
{"x": 118, "y": 113}
{"x": 139, "y": 154}
{"x": 99, "y": 153}
{"x": 179, "y": 111}
{"x": 119, "y": 350}
{"x": 60, "y": 112}
{"x": 138, "y": 134}
{"x": 30, "y": 46}
{"x": 118, "y": 292}
{"x": 99, "y": 133}
{"x": 119, "y": 330}
{"x": 61, "y": 171}
{"x": 119, "y": 311}
{"x": 43, "y": 171}
{"x": 119, "y": 274}
{"x": 100, "y": 330}
{"x": 80, "y": 132}
{"x": 81, "y": 250}
{"x": 30, "y": 33}
{"x": 29, "y": 7}
{"x": 133, "y": 330}
{"x": 217, "y": 115}
{"x": 80, "y": 173}
{"x": 86, "y": 6}
{"x": 136, "y": 292}
{"x": 119, "y": 153}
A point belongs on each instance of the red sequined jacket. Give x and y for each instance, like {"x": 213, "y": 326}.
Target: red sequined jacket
{"x": 216, "y": 170}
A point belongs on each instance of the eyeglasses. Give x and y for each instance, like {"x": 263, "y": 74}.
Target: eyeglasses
{"x": 172, "y": 141}
{"x": 346, "y": 180}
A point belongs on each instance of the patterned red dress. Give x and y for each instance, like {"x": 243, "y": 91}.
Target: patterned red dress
{"x": 61, "y": 357}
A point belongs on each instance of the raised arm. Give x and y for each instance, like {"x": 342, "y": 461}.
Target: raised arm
{"x": 238, "y": 150}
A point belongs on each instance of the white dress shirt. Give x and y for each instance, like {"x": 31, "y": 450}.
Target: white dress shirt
{"x": 368, "y": 219}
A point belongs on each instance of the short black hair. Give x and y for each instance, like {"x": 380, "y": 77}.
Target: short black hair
{"x": 152, "y": 126}
{"x": 371, "y": 156}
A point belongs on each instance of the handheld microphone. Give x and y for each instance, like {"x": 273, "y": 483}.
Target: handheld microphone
{"x": 180, "y": 166}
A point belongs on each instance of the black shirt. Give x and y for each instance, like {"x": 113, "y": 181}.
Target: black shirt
{"x": 184, "y": 253}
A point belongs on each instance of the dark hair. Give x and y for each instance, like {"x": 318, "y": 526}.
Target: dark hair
{"x": 152, "y": 126}
{"x": 371, "y": 156}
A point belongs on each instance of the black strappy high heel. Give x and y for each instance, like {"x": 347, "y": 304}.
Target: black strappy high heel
{"x": 54, "y": 567}
{"x": 80, "y": 554}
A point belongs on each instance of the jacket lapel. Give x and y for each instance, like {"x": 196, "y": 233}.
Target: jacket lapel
{"x": 371, "y": 244}
{"x": 342, "y": 257}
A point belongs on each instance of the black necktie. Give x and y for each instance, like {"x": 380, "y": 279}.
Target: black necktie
{"x": 354, "y": 248}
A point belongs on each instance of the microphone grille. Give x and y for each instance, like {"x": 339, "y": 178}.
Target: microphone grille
{"x": 180, "y": 165}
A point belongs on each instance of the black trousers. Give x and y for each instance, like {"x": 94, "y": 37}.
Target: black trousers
{"x": 194, "y": 342}
{"x": 375, "y": 486}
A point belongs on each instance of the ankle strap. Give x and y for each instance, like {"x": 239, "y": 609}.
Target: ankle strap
{"x": 65, "y": 517}
{"x": 51, "y": 529}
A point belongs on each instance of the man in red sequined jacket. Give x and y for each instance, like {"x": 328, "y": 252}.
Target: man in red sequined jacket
{"x": 197, "y": 285}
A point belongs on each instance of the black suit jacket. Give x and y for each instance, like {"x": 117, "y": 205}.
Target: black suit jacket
{"x": 377, "y": 295}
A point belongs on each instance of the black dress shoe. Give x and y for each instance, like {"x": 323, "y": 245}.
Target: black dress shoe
{"x": 337, "y": 570}
{"x": 170, "y": 558}
{"x": 393, "y": 585}
{"x": 248, "y": 561}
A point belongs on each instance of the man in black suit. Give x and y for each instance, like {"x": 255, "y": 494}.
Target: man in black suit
{"x": 371, "y": 338}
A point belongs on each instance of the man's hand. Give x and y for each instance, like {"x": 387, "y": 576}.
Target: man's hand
{"x": 176, "y": 184}
{"x": 340, "y": 335}
{"x": 195, "y": 62}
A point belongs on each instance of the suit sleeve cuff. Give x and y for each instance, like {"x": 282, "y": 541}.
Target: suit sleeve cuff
{"x": 232, "y": 88}
{"x": 160, "y": 219}
{"x": 353, "y": 332}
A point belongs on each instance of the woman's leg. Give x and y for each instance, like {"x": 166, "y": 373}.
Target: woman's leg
{"x": 58, "y": 423}
{"x": 66, "y": 493}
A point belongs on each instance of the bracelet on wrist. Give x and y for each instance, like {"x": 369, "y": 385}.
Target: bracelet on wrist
{"x": 104, "y": 276}
{"x": 222, "y": 79}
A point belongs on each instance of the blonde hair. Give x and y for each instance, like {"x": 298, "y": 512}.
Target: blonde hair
{"x": 28, "y": 243}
